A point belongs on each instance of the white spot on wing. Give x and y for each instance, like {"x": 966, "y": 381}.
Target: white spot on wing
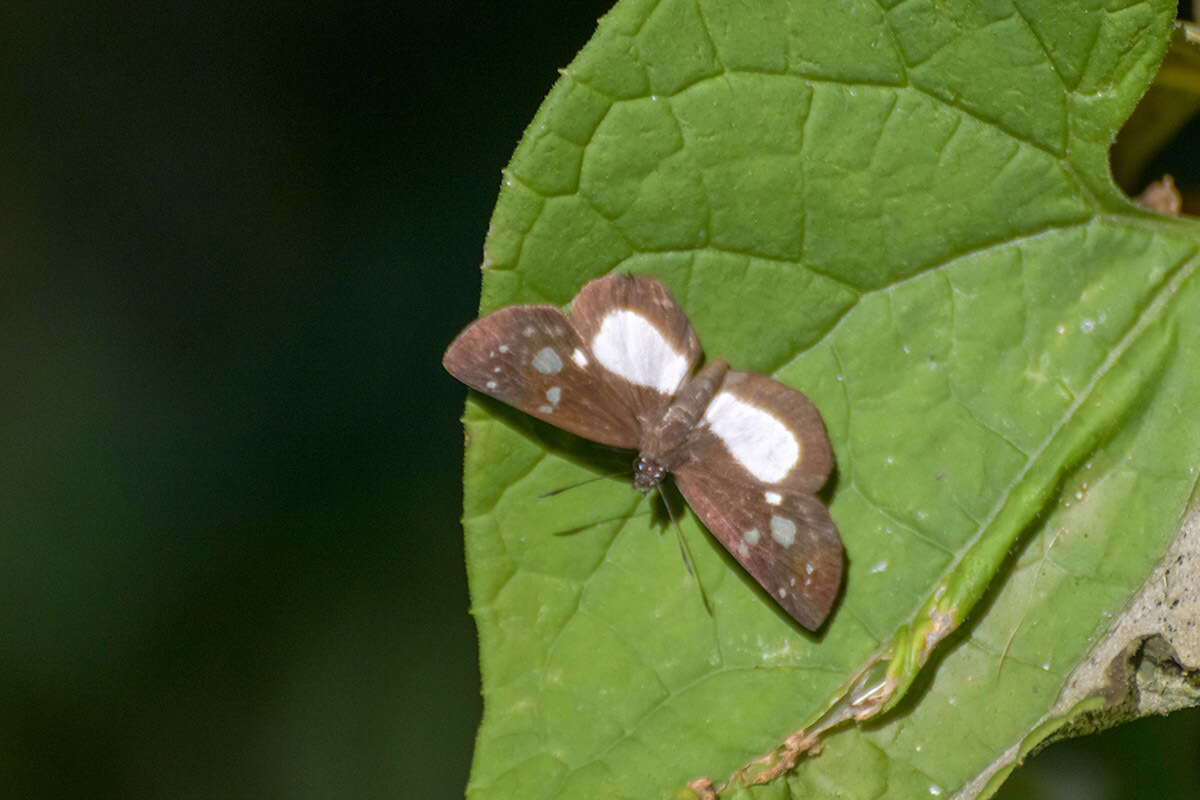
{"x": 554, "y": 394}
{"x": 755, "y": 438}
{"x": 579, "y": 358}
{"x": 783, "y": 530}
{"x": 743, "y": 551}
{"x": 503, "y": 348}
{"x": 491, "y": 384}
{"x": 751, "y": 536}
{"x": 545, "y": 409}
{"x": 774, "y": 498}
{"x": 547, "y": 362}
{"x": 629, "y": 345}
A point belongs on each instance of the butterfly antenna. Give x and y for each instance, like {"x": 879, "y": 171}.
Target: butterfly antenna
{"x": 685, "y": 552}
{"x": 621, "y": 517}
{"x": 562, "y": 489}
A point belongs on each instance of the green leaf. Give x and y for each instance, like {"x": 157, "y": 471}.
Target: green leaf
{"x": 905, "y": 210}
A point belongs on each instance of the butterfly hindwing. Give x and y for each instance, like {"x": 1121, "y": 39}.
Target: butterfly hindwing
{"x": 785, "y": 539}
{"x": 532, "y": 358}
{"x": 640, "y": 336}
{"x": 758, "y": 431}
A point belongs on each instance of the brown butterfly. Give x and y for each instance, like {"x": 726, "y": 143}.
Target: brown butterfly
{"x": 747, "y": 452}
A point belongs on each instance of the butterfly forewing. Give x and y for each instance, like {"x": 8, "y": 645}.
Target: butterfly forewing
{"x": 640, "y": 337}
{"x": 760, "y": 432}
{"x": 786, "y": 540}
{"x": 533, "y": 359}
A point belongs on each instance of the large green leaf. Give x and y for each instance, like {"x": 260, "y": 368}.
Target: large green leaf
{"x": 904, "y": 209}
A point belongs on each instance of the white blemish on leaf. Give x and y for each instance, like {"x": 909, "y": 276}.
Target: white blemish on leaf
{"x": 547, "y": 362}
{"x": 629, "y": 345}
{"x": 580, "y": 359}
{"x": 783, "y": 530}
{"x": 755, "y": 438}
{"x": 783, "y": 651}
{"x": 774, "y": 498}
{"x": 880, "y": 567}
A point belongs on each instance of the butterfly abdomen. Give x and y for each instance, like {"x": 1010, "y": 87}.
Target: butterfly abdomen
{"x": 664, "y": 438}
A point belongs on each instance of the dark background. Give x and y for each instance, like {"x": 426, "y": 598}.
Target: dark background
{"x": 235, "y": 241}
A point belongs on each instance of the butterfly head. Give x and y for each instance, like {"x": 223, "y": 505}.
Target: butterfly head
{"x": 647, "y": 474}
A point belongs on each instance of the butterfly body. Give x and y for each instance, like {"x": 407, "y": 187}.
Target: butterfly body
{"x": 747, "y": 452}
{"x": 664, "y": 441}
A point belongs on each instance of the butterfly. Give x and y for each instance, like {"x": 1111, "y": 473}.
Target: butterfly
{"x": 747, "y": 452}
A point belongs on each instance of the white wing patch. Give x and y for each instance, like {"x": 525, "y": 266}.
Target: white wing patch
{"x": 783, "y": 530}
{"x": 547, "y": 362}
{"x": 755, "y": 438}
{"x": 629, "y": 345}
